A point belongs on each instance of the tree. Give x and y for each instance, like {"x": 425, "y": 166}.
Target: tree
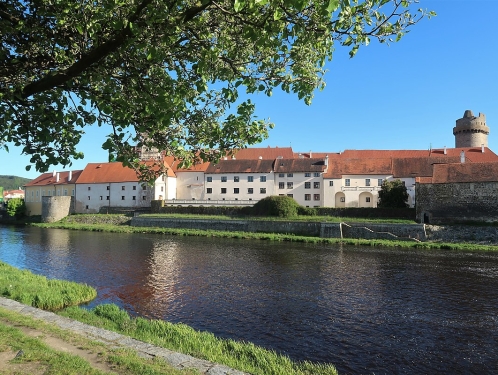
{"x": 393, "y": 194}
{"x": 16, "y": 207}
{"x": 166, "y": 74}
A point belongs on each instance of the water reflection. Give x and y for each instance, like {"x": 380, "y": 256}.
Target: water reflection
{"x": 367, "y": 310}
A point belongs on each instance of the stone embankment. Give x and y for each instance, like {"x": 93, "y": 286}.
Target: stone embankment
{"x": 409, "y": 232}
{"x": 486, "y": 235}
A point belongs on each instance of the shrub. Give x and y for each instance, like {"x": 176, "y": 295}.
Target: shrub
{"x": 16, "y": 207}
{"x": 281, "y": 206}
{"x": 307, "y": 211}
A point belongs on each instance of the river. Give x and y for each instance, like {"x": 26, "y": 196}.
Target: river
{"x": 366, "y": 310}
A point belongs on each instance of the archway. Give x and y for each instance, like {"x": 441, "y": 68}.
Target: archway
{"x": 340, "y": 199}
{"x": 366, "y": 199}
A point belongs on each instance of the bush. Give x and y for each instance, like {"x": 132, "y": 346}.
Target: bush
{"x": 307, "y": 211}
{"x": 281, "y": 206}
{"x": 16, "y": 207}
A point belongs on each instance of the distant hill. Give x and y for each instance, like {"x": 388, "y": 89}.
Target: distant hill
{"x": 12, "y": 182}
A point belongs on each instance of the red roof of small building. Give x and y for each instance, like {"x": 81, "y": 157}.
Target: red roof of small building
{"x": 51, "y": 178}
{"x": 465, "y": 172}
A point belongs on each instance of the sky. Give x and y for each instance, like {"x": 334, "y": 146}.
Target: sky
{"x": 407, "y": 95}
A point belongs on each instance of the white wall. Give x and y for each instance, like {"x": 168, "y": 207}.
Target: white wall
{"x": 299, "y": 191}
{"x": 216, "y": 185}
{"x": 189, "y": 185}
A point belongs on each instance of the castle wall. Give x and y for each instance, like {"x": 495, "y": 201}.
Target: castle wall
{"x": 55, "y": 208}
{"x": 457, "y": 202}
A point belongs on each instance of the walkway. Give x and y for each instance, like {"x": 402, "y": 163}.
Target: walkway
{"x": 116, "y": 340}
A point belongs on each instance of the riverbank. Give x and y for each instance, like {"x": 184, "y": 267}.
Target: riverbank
{"x": 151, "y": 338}
{"x": 120, "y": 224}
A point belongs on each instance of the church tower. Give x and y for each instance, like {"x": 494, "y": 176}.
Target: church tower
{"x": 471, "y": 131}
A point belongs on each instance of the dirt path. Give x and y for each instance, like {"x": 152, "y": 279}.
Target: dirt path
{"x": 54, "y": 342}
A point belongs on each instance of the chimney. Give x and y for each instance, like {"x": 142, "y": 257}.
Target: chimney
{"x": 445, "y": 150}
{"x": 260, "y": 158}
{"x": 70, "y": 177}
{"x": 233, "y": 157}
{"x": 326, "y": 160}
{"x": 58, "y": 177}
{"x": 482, "y": 148}
{"x": 311, "y": 155}
{"x": 462, "y": 157}
{"x": 54, "y": 173}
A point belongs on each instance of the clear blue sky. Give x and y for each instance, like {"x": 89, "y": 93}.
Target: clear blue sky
{"x": 403, "y": 96}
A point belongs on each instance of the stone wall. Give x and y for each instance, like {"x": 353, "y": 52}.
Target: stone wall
{"x": 457, "y": 202}
{"x": 56, "y": 208}
{"x": 285, "y": 227}
{"x": 487, "y": 235}
{"x": 384, "y": 231}
{"x": 314, "y": 229}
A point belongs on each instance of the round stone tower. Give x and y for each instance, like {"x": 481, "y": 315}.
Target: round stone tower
{"x": 471, "y": 131}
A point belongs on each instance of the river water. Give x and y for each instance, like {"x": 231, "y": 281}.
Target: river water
{"x": 366, "y": 310}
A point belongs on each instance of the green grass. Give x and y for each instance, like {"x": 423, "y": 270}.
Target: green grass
{"x": 40, "y": 355}
{"x": 243, "y": 356}
{"x": 38, "y": 291}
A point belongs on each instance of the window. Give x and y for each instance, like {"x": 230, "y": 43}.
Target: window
{"x": 209, "y": 179}
{"x": 236, "y": 190}
{"x": 144, "y": 187}
{"x": 249, "y": 190}
{"x": 72, "y": 192}
{"x": 43, "y": 193}
{"x": 316, "y": 185}
{"x": 162, "y": 179}
{"x": 88, "y": 197}
{"x": 367, "y": 182}
{"x": 122, "y": 197}
{"x": 367, "y": 199}
{"x": 307, "y": 185}
{"x": 404, "y": 183}
{"x": 101, "y": 198}
{"x": 65, "y": 192}
{"x": 86, "y": 207}
{"x": 209, "y": 191}
{"x": 135, "y": 188}
{"x": 348, "y": 182}
{"x": 144, "y": 198}
{"x": 290, "y": 185}
{"x": 123, "y": 187}
{"x": 343, "y": 199}
{"x": 316, "y": 197}
{"x": 262, "y": 179}
{"x": 37, "y": 193}
{"x": 250, "y": 178}
{"x": 235, "y": 178}
{"x": 89, "y": 188}
{"x": 307, "y": 197}
{"x": 281, "y": 175}
{"x": 223, "y": 190}
{"x": 162, "y": 188}
{"x": 331, "y": 183}
{"x": 134, "y": 198}
{"x": 290, "y": 175}
{"x": 379, "y": 182}
{"x": 281, "y": 185}
{"x": 223, "y": 178}
{"x": 262, "y": 190}
{"x": 316, "y": 174}
{"x": 290, "y": 195}
{"x": 108, "y": 187}
{"x": 107, "y": 198}
{"x": 307, "y": 174}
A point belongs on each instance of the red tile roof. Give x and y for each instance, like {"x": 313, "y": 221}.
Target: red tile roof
{"x": 359, "y": 166}
{"x": 465, "y": 172}
{"x": 49, "y": 178}
{"x": 241, "y": 166}
{"x": 299, "y": 165}
{"x": 266, "y": 153}
{"x": 173, "y": 162}
{"x": 95, "y": 173}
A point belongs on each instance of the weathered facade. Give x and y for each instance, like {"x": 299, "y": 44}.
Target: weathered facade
{"x": 459, "y": 193}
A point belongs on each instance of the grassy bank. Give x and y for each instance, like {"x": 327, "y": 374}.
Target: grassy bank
{"x": 266, "y": 236}
{"x": 40, "y": 358}
{"x": 38, "y": 291}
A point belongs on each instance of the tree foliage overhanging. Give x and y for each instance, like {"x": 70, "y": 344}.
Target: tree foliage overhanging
{"x": 165, "y": 74}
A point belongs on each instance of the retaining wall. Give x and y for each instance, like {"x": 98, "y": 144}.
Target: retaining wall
{"x": 314, "y": 229}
